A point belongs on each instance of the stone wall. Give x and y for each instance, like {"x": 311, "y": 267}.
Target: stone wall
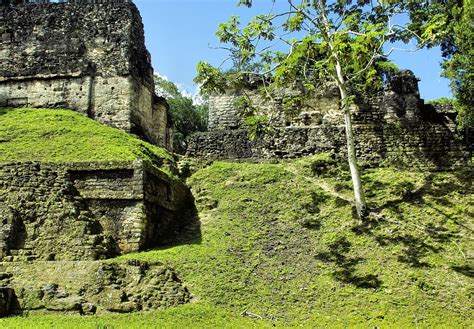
{"x": 224, "y": 115}
{"x": 88, "y": 288}
{"x": 393, "y": 126}
{"x": 223, "y": 144}
{"x": 90, "y": 58}
{"x": 88, "y": 211}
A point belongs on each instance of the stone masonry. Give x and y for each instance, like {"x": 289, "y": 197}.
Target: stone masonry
{"x": 86, "y": 211}
{"x": 60, "y": 221}
{"x": 89, "y": 56}
{"x": 88, "y": 288}
{"x": 392, "y": 126}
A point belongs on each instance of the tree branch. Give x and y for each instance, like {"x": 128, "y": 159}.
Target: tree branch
{"x": 400, "y": 49}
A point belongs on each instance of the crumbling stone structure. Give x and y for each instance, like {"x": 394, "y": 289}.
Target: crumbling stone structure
{"x": 88, "y": 288}
{"x": 87, "y": 211}
{"x": 393, "y": 126}
{"x": 85, "y": 55}
{"x": 58, "y": 221}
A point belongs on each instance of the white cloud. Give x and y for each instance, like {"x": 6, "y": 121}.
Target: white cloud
{"x": 185, "y": 90}
{"x": 191, "y": 92}
{"x": 164, "y": 77}
{"x": 197, "y": 98}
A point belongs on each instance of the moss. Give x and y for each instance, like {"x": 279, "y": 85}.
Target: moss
{"x": 188, "y": 316}
{"x": 280, "y": 240}
{"x": 443, "y": 101}
{"x": 65, "y": 136}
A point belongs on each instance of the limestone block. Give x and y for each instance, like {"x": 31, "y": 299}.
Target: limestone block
{"x": 91, "y": 59}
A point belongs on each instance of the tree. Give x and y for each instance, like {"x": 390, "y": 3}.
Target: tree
{"x": 449, "y": 24}
{"x": 459, "y": 67}
{"x": 329, "y": 42}
{"x": 187, "y": 116}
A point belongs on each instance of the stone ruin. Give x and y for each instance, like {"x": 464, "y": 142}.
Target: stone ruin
{"x": 88, "y": 288}
{"x": 87, "y": 211}
{"x": 21, "y": 2}
{"x": 85, "y": 55}
{"x": 394, "y": 125}
{"x": 59, "y": 222}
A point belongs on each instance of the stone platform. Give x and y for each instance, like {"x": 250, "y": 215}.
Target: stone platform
{"x": 87, "y": 211}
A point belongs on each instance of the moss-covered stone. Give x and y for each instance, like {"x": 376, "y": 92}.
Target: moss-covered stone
{"x": 79, "y": 211}
{"x": 90, "y": 287}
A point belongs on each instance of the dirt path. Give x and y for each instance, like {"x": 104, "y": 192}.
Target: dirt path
{"x": 320, "y": 183}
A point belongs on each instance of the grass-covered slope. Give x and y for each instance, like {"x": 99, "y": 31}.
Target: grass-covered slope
{"x": 65, "y": 136}
{"x": 278, "y": 243}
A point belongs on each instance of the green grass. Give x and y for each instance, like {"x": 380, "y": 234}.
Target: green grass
{"x": 186, "y": 316}
{"x": 65, "y": 136}
{"x": 280, "y": 246}
{"x": 281, "y": 241}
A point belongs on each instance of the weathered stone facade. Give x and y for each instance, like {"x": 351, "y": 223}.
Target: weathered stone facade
{"x": 88, "y": 288}
{"x": 58, "y": 220}
{"x": 224, "y": 115}
{"x": 89, "y": 56}
{"x": 86, "y": 211}
{"x": 394, "y": 125}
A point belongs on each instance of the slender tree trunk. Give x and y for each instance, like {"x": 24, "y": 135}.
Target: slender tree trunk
{"x": 359, "y": 197}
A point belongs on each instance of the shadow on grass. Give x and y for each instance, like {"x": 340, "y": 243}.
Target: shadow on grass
{"x": 5, "y": 110}
{"x": 415, "y": 249}
{"x": 420, "y": 239}
{"x": 346, "y": 266}
{"x": 467, "y": 270}
{"x": 187, "y": 233}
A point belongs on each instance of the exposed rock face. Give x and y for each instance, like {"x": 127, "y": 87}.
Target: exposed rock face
{"x": 86, "y": 211}
{"x": 90, "y": 58}
{"x": 394, "y": 126}
{"x": 88, "y": 287}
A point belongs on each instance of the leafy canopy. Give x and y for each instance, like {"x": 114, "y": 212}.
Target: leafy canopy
{"x": 302, "y": 46}
{"x": 459, "y": 65}
{"x": 450, "y": 25}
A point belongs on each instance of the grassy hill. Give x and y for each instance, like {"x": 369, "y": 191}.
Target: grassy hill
{"x": 281, "y": 241}
{"x": 63, "y": 136}
{"x": 278, "y": 243}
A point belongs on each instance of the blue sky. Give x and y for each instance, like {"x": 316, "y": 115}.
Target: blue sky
{"x": 179, "y": 32}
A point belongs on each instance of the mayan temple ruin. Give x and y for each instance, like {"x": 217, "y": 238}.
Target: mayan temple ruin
{"x": 245, "y": 224}
{"x": 89, "y": 56}
{"x": 394, "y": 126}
